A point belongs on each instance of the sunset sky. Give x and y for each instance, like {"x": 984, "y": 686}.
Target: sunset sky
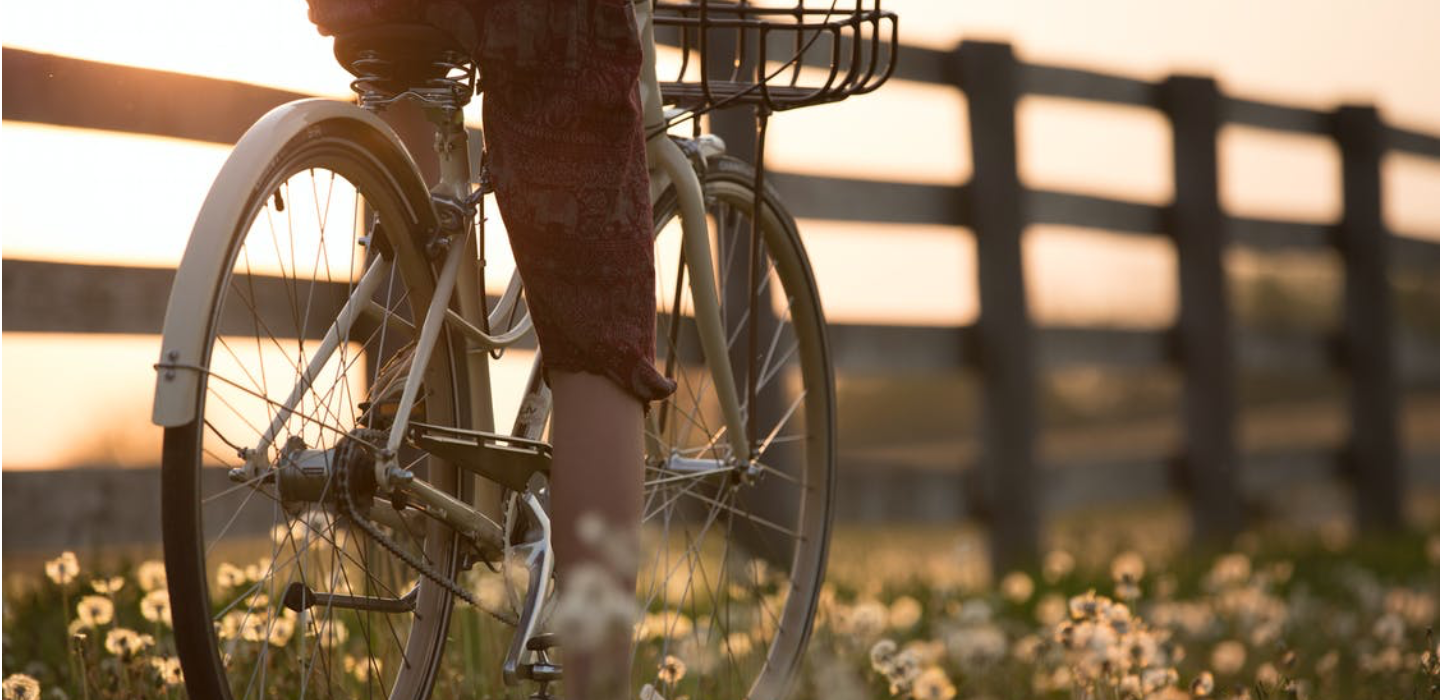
{"x": 1303, "y": 52}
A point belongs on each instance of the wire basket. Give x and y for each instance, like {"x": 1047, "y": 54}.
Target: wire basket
{"x": 773, "y": 54}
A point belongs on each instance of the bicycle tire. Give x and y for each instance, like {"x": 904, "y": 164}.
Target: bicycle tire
{"x": 794, "y": 492}
{"x": 207, "y": 518}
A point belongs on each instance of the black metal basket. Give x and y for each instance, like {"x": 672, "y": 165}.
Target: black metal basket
{"x": 776, "y": 54}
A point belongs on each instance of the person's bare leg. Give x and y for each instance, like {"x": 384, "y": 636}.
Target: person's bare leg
{"x": 598, "y": 468}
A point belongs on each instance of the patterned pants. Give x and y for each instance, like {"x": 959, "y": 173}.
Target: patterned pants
{"x": 567, "y": 149}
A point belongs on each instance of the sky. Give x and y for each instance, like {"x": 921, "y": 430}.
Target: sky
{"x": 1308, "y": 53}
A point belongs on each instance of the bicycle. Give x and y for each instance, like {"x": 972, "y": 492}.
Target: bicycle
{"x": 325, "y": 389}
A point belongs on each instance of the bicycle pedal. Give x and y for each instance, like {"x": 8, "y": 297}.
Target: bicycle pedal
{"x": 541, "y": 672}
{"x": 505, "y": 459}
{"x": 543, "y": 642}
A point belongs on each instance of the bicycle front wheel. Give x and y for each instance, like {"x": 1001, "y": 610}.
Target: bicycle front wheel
{"x": 734, "y": 555}
{"x": 274, "y": 591}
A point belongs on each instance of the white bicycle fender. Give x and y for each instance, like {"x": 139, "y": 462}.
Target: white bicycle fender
{"x": 182, "y": 350}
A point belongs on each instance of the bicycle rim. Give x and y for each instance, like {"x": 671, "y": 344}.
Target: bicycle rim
{"x": 732, "y": 566}
{"x": 237, "y": 545}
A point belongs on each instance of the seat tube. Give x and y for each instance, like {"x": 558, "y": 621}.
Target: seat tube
{"x": 452, "y": 149}
{"x": 650, "y": 102}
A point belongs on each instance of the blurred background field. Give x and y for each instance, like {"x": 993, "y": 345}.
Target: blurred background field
{"x": 1118, "y": 607}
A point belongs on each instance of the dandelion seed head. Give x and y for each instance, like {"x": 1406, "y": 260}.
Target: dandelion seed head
{"x": 738, "y": 644}
{"x": 867, "y": 619}
{"x": 592, "y": 606}
{"x": 1051, "y": 609}
{"x": 1203, "y": 685}
{"x": 62, "y": 570}
{"x": 882, "y": 655}
{"x": 1057, "y": 564}
{"x": 281, "y": 630}
{"x": 1017, "y": 587}
{"x": 168, "y": 669}
{"x": 1127, "y": 567}
{"x": 229, "y": 576}
{"x": 976, "y": 646}
{"x": 330, "y": 633}
{"x": 150, "y": 575}
{"x": 672, "y": 669}
{"x": 975, "y": 612}
{"x": 125, "y": 642}
{"x": 905, "y": 613}
{"x": 155, "y": 606}
{"x": 1228, "y": 657}
{"x": 108, "y": 586}
{"x": 1228, "y": 571}
{"x": 1389, "y": 629}
{"x": 1027, "y": 649}
{"x": 932, "y": 684}
{"x": 94, "y": 610}
{"x": 19, "y": 686}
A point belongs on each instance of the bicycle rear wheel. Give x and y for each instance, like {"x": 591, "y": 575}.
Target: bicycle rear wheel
{"x": 733, "y": 559}
{"x": 259, "y": 546}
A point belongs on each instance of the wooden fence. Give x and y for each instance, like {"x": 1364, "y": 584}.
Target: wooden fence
{"x": 1005, "y": 347}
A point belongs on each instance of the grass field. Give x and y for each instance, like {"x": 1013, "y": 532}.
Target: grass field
{"x": 1118, "y": 608}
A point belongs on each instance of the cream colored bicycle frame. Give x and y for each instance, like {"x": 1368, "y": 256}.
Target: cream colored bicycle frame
{"x": 458, "y": 288}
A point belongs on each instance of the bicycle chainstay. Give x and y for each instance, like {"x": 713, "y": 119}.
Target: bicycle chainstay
{"x": 353, "y": 512}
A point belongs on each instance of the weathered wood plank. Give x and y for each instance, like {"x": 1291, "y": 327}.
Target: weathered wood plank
{"x": 1275, "y": 117}
{"x": 72, "y": 92}
{"x": 1069, "y": 209}
{"x": 900, "y": 349}
{"x": 1079, "y": 84}
{"x": 1369, "y": 324}
{"x": 1061, "y": 346}
{"x": 1278, "y": 235}
{"x": 1203, "y": 332}
{"x": 1416, "y": 254}
{"x": 990, "y": 76}
{"x": 1413, "y": 142}
{"x": 849, "y": 199}
{"x": 1287, "y": 353}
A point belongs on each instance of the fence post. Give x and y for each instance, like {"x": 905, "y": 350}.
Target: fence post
{"x": 989, "y": 75}
{"x": 1209, "y": 465}
{"x": 1368, "y": 346}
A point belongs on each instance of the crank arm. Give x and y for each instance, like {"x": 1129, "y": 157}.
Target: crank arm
{"x": 542, "y": 563}
{"x": 299, "y": 597}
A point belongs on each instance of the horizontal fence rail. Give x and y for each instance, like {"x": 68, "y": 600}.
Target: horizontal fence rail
{"x": 1004, "y": 346}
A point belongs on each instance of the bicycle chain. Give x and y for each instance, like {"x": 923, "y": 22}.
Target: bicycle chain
{"x": 353, "y": 512}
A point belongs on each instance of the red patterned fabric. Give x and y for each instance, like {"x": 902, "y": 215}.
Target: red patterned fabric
{"x": 567, "y": 150}
{"x": 564, "y": 132}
